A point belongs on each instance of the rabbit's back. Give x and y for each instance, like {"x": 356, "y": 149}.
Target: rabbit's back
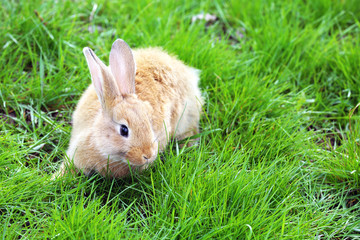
{"x": 171, "y": 88}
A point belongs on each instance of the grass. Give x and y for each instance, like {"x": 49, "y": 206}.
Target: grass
{"x": 279, "y": 157}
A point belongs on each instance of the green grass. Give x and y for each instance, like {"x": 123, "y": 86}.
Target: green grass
{"x": 279, "y": 157}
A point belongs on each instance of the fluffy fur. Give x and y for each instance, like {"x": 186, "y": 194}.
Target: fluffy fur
{"x": 159, "y": 100}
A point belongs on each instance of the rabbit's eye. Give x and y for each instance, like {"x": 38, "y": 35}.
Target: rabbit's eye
{"x": 124, "y": 131}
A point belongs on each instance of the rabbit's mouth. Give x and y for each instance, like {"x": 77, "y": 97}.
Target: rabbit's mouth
{"x": 141, "y": 156}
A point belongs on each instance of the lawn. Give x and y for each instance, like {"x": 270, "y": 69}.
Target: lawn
{"x": 279, "y": 153}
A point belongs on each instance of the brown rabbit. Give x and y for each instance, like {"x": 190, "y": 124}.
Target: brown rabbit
{"x": 131, "y": 110}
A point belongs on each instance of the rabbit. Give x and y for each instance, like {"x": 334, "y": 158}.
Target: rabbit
{"x": 131, "y": 110}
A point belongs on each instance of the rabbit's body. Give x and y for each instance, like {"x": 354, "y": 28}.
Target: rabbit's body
{"x": 166, "y": 103}
{"x": 172, "y": 90}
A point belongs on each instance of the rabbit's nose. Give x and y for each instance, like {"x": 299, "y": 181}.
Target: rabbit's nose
{"x": 146, "y": 157}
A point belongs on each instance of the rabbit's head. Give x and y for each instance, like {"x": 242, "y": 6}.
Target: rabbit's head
{"x": 123, "y": 131}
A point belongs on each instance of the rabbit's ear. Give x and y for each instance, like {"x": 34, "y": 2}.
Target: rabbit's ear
{"x": 103, "y": 83}
{"x": 122, "y": 66}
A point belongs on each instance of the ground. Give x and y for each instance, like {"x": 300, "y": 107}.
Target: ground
{"x": 278, "y": 157}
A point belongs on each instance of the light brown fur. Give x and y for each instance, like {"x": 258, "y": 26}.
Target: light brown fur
{"x": 166, "y": 103}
